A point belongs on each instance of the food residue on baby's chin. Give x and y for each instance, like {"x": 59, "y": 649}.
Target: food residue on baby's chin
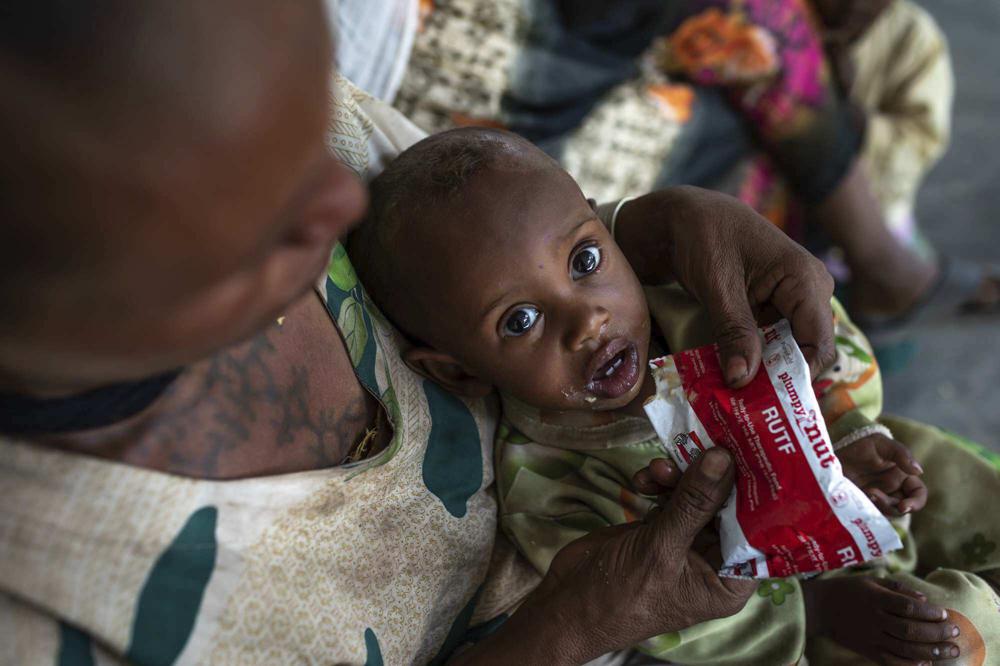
{"x": 578, "y": 395}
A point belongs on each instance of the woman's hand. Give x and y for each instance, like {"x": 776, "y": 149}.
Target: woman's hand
{"x": 622, "y": 584}
{"x": 737, "y": 264}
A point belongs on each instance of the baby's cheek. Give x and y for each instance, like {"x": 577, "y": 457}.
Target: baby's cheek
{"x": 544, "y": 382}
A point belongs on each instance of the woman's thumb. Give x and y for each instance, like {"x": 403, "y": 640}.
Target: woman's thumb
{"x": 700, "y": 494}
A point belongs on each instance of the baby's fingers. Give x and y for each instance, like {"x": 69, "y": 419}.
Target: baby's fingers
{"x": 884, "y": 503}
{"x": 899, "y": 454}
{"x": 914, "y": 492}
{"x": 888, "y": 480}
{"x": 659, "y": 477}
{"x": 643, "y": 482}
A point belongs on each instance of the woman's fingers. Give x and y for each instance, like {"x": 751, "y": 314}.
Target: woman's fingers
{"x": 794, "y": 296}
{"x": 736, "y": 332}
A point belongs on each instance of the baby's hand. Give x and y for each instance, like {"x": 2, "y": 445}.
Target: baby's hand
{"x": 885, "y": 470}
{"x": 882, "y": 620}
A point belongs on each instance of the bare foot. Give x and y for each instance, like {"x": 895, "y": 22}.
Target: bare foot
{"x": 881, "y": 620}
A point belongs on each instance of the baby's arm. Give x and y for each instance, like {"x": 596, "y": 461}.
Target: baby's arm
{"x": 850, "y": 397}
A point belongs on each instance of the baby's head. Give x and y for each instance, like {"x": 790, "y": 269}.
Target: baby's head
{"x": 487, "y": 255}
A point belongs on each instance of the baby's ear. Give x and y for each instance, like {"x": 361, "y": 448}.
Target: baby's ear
{"x": 444, "y": 370}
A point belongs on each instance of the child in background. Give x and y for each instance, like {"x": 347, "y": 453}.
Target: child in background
{"x": 551, "y": 315}
{"x": 891, "y": 59}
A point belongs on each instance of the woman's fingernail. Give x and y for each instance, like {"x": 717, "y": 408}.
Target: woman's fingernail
{"x": 936, "y": 652}
{"x": 920, "y": 468}
{"x": 944, "y": 616}
{"x": 954, "y": 652}
{"x": 736, "y": 369}
{"x": 955, "y": 632}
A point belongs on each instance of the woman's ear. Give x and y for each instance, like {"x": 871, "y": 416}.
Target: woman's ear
{"x": 444, "y": 370}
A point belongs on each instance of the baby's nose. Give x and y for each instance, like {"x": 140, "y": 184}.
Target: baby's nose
{"x": 588, "y": 324}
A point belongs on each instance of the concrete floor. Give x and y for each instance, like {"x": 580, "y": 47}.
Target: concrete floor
{"x": 954, "y": 380}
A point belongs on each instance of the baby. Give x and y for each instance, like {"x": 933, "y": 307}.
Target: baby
{"x": 502, "y": 274}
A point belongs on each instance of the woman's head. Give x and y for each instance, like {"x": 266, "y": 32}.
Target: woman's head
{"x": 169, "y": 190}
{"x": 485, "y": 251}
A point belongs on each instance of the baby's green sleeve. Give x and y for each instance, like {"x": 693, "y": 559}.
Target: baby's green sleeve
{"x": 550, "y": 497}
{"x": 850, "y": 390}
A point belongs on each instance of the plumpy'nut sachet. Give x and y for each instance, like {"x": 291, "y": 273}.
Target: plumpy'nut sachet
{"x": 792, "y": 511}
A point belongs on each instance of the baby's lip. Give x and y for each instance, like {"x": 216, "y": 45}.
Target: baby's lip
{"x": 604, "y": 355}
{"x": 614, "y": 369}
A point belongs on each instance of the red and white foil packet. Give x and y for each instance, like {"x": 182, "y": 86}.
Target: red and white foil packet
{"x": 792, "y": 511}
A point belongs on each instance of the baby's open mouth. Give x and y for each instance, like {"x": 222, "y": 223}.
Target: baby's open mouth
{"x": 614, "y": 369}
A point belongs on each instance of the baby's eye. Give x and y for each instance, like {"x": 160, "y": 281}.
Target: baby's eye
{"x": 520, "y": 321}
{"x": 585, "y": 261}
